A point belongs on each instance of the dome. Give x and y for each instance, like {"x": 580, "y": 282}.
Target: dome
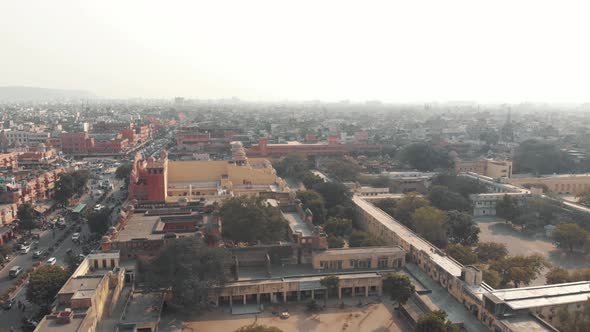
{"x": 105, "y": 239}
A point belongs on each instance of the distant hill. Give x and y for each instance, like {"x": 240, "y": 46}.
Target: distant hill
{"x": 25, "y": 93}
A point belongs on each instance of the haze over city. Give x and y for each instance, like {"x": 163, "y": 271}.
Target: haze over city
{"x": 394, "y": 51}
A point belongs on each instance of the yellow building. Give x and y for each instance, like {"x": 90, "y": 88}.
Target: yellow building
{"x": 487, "y": 167}
{"x": 171, "y": 181}
{"x": 562, "y": 184}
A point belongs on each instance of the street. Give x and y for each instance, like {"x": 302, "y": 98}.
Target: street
{"x": 12, "y": 317}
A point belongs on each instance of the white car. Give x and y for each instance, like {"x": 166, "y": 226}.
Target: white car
{"x": 51, "y": 261}
{"x": 76, "y": 237}
{"x": 24, "y": 249}
{"x": 98, "y": 207}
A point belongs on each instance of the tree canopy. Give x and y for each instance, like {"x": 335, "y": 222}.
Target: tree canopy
{"x": 407, "y": 206}
{"x": 519, "y": 269}
{"x": 443, "y": 198}
{"x": 463, "y": 254}
{"x": 363, "y": 239}
{"x": 490, "y": 251}
{"x": 258, "y": 328}
{"x": 99, "y": 221}
{"x": 343, "y": 170}
{"x": 507, "y": 208}
{"x": 431, "y": 223}
{"x": 541, "y": 157}
{"x": 398, "y": 287}
{"x": 70, "y": 184}
{"x": 461, "y": 228}
{"x": 313, "y": 201}
{"x": 250, "y": 219}
{"x": 335, "y": 242}
{"x": 570, "y": 236}
{"x": 44, "y": 283}
{"x": 338, "y": 226}
{"x": 459, "y": 184}
{"x": 435, "y": 321}
{"x": 123, "y": 172}
{"x": 190, "y": 269}
{"x": 26, "y": 214}
{"x": 425, "y": 157}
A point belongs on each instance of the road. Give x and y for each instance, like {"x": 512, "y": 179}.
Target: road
{"x": 13, "y": 317}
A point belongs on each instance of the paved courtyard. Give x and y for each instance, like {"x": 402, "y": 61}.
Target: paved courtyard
{"x": 376, "y": 317}
{"x": 496, "y": 230}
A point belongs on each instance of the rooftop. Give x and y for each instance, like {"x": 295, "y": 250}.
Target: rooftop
{"x": 540, "y": 296}
{"x": 142, "y": 308}
{"x": 297, "y": 224}
{"x": 358, "y": 251}
{"x": 81, "y": 283}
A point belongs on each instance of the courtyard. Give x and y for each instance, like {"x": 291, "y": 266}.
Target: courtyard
{"x": 372, "y": 316}
{"x": 494, "y": 229}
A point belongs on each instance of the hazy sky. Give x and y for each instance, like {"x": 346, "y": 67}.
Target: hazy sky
{"x": 331, "y": 50}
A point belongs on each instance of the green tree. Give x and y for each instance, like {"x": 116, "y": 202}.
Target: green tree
{"x": 492, "y": 278}
{"x": 189, "y": 269}
{"x": 338, "y": 227}
{"x": 425, "y": 157}
{"x": 464, "y": 254}
{"x": 99, "y": 221}
{"x": 333, "y": 193}
{"x": 541, "y": 157}
{"x": 313, "y": 201}
{"x": 26, "y": 214}
{"x": 507, "y": 208}
{"x": 441, "y": 197}
{"x": 335, "y": 242}
{"x": 80, "y": 178}
{"x": 331, "y": 283}
{"x": 461, "y": 228}
{"x": 407, "y": 206}
{"x": 519, "y": 269}
{"x": 490, "y": 251}
{"x": 44, "y": 283}
{"x": 363, "y": 239}
{"x": 431, "y": 223}
{"x": 64, "y": 188}
{"x": 123, "y": 172}
{"x": 435, "y": 321}
{"x": 557, "y": 275}
{"x": 388, "y": 205}
{"x": 398, "y": 287}
{"x": 343, "y": 170}
{"x": 570, "y": 236}
{"x": 250, "y": 219}
{"x": 459, "y": 184}
{"x": 258, "y": 328}
{"x": 293, "y": 165}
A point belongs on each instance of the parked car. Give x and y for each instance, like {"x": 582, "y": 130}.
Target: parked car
{"x": 76, "y": 237}
{"x": 38, "y": 254}
{"x": 51, "y": 261}
{"x": 24, "y": 249}
{"x": 7, "y": 305}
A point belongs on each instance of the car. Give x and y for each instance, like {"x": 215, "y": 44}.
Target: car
{"x": 284, "y": 315}
{"x": 15, "y": 271}
{"x": 24, "y": 249}
{"x": 76, "y": 237}
{"x": 38, "y": 254}
{"x": 7, "y": 305}
{"x": 51, "y": 261}
{"x": 98, "y": 207}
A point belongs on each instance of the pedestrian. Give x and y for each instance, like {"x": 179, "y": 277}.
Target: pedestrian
{"x": 19, "y": 304}
{"x": 24, "y": 307}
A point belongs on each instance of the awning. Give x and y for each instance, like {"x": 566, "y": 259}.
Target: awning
{"x": 310, "y": 285}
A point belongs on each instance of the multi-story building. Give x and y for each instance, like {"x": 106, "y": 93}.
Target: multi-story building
{"x": 484, "y": 204}
{"x": 76, "y": 143}
{"x": 330, "y": 148}
{"x": 572, "y": 184}
{"x": 486, "y": 167}
{"x": 167, "y": 180}
{"x": 26, "y": 137}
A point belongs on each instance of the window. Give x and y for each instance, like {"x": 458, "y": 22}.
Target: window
{"x": 382, "y": 263}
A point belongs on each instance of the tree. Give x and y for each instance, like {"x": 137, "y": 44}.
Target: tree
{"x": 333, "y": 193}
{"x": 431, "y": 223}
{"x": 250, "y": 219}
{"x": 557, "y": 275}
{"x": 343, "y": 170}
{"x": 435, "y": 321}
{"x": 570, "y": 236}
{"x": 441, "y": 197}
{"x": 519, "y": 269}
{"x": 584, "y": 198}
{"x": 293, "y": 165}
{"x": 461, "y": 228}
{"x": 363, "y": 239}
{"x": 541, "y": 157}
{"x": 492, "y": 278}
{"x": 80, "y": 178}
{"x": 398, "y": 287}
{"x": 464, "y": 254}
{"x": 407, "y": 206}
{"x": 459, "y": 184}
{"x": 338, "y": 227}
{"x": 507, "y": 208}
{"x": 490, "y": 251}
{"x": 425, "y": 157}
{"x": 313, "y": 201}
{"x": 64, "y": 188}
{"x": 44, "y": 283}
{"x": 26, "y": 214}
{"x": 189, "y": 269}
{"x": 335, "y": 242}
{"x": 72, "y": 261}
{"x": 331, "y": 283}
{"x": 99, "y": 221}
{"x": 123, "y": 172}
{"x": 258, "y": 328}
{"x": 388, "y": 205}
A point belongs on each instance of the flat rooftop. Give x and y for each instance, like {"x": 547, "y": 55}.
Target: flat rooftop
{"x": 74, "y": 285}
{"x": 297, "y": 224}
{"x": 361, "y": 251}
{"x": 540, "y": 296}
{"x": 528, "y": 323}
{"x": 142, "y": 308}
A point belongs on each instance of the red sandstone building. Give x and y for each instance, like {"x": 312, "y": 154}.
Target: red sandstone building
{"x": 330, "y": 148}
